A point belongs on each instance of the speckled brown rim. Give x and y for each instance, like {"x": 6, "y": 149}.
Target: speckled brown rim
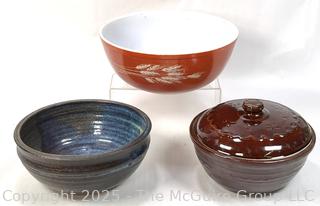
{"x": 303, "y": 151}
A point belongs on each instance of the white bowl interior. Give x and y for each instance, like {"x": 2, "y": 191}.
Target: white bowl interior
{"x": 174, "y": 32}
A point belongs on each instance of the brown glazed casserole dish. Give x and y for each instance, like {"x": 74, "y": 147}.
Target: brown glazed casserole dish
{"x": 251, "y": 145}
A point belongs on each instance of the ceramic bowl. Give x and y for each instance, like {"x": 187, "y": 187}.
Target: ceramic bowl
{"x": 252, "y": 146}
{"x": 83, "y": 144}
{"x": 168, "y": 51}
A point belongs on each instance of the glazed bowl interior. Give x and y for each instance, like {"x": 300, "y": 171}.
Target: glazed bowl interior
{"x": 83, "y": 128}
{"x": 169, "y": 32}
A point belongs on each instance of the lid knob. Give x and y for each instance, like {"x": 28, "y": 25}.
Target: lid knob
{"x": 252, "y": 106}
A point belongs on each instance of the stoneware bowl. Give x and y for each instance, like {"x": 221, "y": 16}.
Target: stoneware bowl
{"x": 251, "y": 145}
{"x": 168, "y": 51}
{"x": 83, "y": 145}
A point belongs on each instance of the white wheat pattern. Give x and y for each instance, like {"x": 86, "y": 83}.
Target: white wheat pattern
{"x": 154, "y": 73}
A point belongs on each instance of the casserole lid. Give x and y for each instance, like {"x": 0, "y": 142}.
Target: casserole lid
{"x": 252, "y": 128}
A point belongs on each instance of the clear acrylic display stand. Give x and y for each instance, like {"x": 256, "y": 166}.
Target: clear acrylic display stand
{"x": 186, "y": 104}
{"x": 117, "y": 85}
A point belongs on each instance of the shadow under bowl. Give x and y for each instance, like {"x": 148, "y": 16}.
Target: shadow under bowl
{"x": 168, "y": 51}
{"x": 248, "y": 175}
{"x": 83, "y": 144}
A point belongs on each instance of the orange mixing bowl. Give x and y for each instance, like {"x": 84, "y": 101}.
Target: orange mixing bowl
{"x": 168, "y": 51}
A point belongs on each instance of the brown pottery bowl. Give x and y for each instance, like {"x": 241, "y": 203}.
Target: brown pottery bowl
{"x": 166, "y": 51}
{"x": 251, "y": 145}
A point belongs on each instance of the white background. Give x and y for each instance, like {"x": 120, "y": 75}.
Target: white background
{"x": 50, "y": 52}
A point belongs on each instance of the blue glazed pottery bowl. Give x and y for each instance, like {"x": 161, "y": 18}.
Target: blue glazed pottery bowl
{"x": 83, "y": 145}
